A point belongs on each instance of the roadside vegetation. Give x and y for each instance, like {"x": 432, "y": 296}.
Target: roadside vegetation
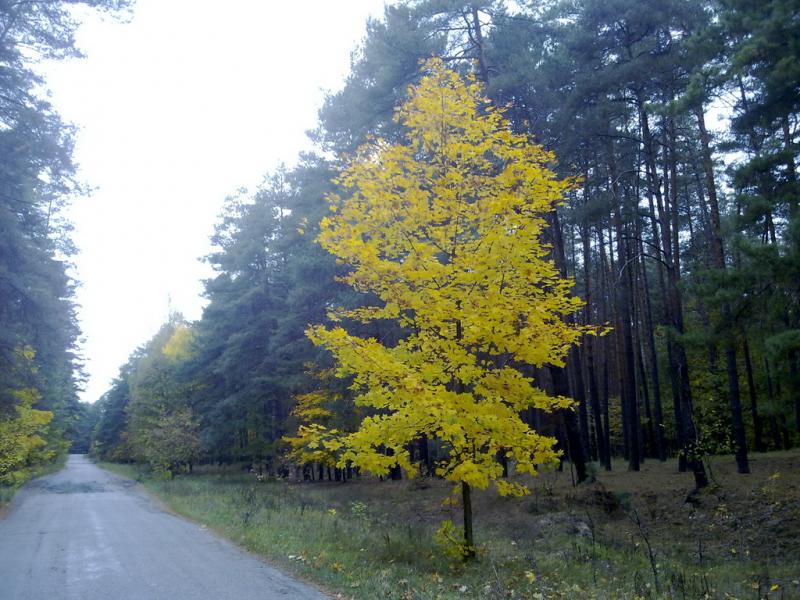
{"x": 623, "y": 536}
{"x": 22, "y": 476}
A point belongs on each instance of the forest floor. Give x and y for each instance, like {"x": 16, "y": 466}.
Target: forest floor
{"x": 627, "y": 535}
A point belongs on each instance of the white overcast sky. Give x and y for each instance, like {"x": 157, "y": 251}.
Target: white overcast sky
{"x": 177, "y": 108}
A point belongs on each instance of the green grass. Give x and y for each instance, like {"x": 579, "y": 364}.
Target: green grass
{"x": 371, "y": 541}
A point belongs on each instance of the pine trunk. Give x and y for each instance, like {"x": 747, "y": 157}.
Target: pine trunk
{"x": 751, "y": 386}
{"x": 627, "y": 359}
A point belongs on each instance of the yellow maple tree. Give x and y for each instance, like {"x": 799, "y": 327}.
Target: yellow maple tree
{"x": 446, "y": 229}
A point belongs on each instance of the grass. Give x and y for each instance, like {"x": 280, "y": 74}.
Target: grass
{"x": 7, "y": 492}
{"x": 371, "y": 540}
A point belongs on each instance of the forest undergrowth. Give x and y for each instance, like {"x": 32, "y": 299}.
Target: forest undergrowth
{"x": 624, "y": 536}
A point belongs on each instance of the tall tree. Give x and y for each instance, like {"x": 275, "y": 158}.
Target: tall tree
{"x": 445, "y": 230}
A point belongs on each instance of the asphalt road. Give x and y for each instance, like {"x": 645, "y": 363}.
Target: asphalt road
{"x": 85, "y": 534}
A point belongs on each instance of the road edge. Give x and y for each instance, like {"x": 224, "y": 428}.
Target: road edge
{"x": 162, "y": 505}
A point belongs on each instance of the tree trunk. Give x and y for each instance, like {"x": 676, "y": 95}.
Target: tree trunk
{"x": 560, "y": 376}
{"x": 623, "y": 284}
{"x": 773, "y": 421}
{"x": 684, "y": 409}
{"x": 757, "y": 427}
{"x": 594, "y": 399}
{"x": 577, "y": 453}
{"x": 476, "y": 37}
{"x": 794, "y": 379}
{"x": 718, "y": 255}
{"x": 605, "y": 294}
{"x": 579, "y": 395}
{"x": 648, "y": 433}
{"x": 469, "y": 537}
{"x": 791, "y": 171}
{"x": 658, "y": 411}
{"x": 425, "y": 455}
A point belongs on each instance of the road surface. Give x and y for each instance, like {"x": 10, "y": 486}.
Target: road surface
{"x": 85, "y": 534}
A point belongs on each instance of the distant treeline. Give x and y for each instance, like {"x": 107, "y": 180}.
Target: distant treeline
{"x": 680, "y": 117}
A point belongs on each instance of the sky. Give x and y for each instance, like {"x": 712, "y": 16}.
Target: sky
{"x": 177, "y": 108}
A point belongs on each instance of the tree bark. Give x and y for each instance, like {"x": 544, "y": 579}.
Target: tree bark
{"x": 658, "y": 411}
{"x": 577, "y": 453}
{"x": 623, "y": 284}
{"x": 560, "y": 376}
{"x": 684, "y": 409}
{"x": 605, "y": 294}
{"x": 469, "y": 537}
{"x": 794, "y": 379}
{"x": 757, "y": 426}
{"x": 594, "y": 399}
{"x": 476, "y": 37}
